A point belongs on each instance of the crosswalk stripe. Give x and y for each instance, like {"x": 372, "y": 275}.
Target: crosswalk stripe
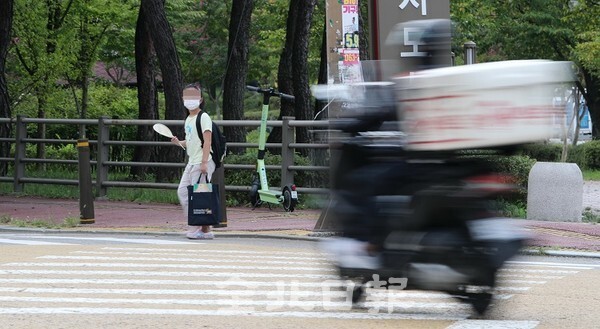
{"x": 246, "y": 283}
{"x": 214, "y": 254}
{"x": 493, "y": 324}
{"x": 522, "y": 282}
{"x": 282, "y": 291}
{"x": 183, "y": 266}
{"x": 173, "y": 274}
{"x": 527, "y": 276}
{"x": 177, "y": 259}
{"x": 231, "y": 312}
{"x": 202, "y": 283}
{"x": 135, "y": 240}
{"x": 521, "y": 270}
{"x": 272, "y": 304}
{"x": 551, "y": 264}
{"x": 33, "y": 243}
{"x": 218, "y": 251}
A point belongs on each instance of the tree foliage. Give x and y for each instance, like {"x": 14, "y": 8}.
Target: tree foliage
{"x": 537, "y": 29}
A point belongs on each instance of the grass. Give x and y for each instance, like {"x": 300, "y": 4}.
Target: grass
{"x": 593, "y": 175}
{"x": 514, "y": 209}
{"x": 68, "y": 222}
{"x": 589, "y": 216}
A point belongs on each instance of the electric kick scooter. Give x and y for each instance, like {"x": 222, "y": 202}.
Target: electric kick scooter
{"x": 259, "y": 191}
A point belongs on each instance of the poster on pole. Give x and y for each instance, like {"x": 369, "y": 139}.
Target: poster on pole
{"x": 343, "y": 42}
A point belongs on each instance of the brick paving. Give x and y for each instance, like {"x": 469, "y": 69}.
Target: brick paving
{"x": 142, "y": 217}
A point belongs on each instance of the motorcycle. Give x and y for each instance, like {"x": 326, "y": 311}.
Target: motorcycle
{"x": 417, "y": 220}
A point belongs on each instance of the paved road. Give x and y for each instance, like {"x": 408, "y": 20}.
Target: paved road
{"x": 101, "y": 281}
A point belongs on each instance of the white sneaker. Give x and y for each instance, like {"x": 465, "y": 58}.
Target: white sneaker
{"x": 201, "y": 235}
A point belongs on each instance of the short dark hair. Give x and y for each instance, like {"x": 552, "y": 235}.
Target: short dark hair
{"x": 196, "y": 86}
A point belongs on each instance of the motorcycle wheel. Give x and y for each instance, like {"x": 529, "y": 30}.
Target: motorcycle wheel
{"x": 358, "y": 294}
{"x": 480, "y": 301}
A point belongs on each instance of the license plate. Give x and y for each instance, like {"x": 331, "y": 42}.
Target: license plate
{"x": 294, "y": 194}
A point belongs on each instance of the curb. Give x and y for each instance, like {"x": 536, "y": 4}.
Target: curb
{"x": 249, "y": 235}
{"x": 314, "y": 236}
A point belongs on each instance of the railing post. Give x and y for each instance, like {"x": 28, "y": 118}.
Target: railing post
{"x": 86, "y": 198}
{"x": 470, "y": 52}
{"x": 102, "y": 157}
{"x": 287, "y": 153}
{"x": 20, "y": 153}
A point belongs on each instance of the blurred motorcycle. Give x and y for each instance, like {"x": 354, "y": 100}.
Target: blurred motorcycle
{"x": 414, "y": 185}
{"x": 425, "y": 220}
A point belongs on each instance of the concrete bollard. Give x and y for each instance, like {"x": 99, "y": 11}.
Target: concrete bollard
{"x": 555, "y": 192}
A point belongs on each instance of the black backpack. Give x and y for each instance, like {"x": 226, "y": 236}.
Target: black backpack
{"x": 218, "y": 144}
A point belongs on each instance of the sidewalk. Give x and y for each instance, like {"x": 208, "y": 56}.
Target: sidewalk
{"x": 555, "y": 238}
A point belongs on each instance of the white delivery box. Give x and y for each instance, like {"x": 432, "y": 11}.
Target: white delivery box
{"x": 482, "y": 105}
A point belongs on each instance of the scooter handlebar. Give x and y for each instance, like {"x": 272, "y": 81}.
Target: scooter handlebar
{"x": 286, "y": 96}
{"x": 270, "y": 92}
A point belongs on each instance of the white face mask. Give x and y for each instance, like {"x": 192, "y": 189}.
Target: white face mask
{"x": 191, "y": 104}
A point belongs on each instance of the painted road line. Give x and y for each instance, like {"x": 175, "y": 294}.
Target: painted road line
{"x": 274, "y": 304}
{"x": 493, "y": 324}
{"x": 213, "y": 254}
{"x": 171, "y": 266}
{"x": 526, "y": 276}
{"x": 229, "y": 312}
{"x": 122, "y": 240}
{"x": 220, "y": 251}
{"x": 173, "y": 274}
{"x": 522, "y": 270}
{"x": 195, "y": 282}
{"x": 522, "y": 282}
{"x": 274, "y": 294}
{"x": 552, "y": 264}
{"x": 183, "y": 259}
{"x": 512, "y": 288}
{"x": 204, "y": 283}
{"x": 33, "y": 242}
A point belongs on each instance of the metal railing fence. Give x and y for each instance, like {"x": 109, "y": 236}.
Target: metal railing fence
{"x": 104, "y": 163}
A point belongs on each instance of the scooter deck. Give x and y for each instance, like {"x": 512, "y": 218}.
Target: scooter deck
{"x": 270, "y": 196}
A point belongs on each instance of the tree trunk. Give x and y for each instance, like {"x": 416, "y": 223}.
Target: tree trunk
{"x": 147, "y": 95}
{"x": 284, "y": 74}
{"x": 592, "y": 98}
{"x": 164, "y": 45}
{"x": 302, "y": 104}
{"x": 320, "y": 104}
{"x": 235, "y": 75}
{"x": 363, "y": 31}
{"x": 6, "y": 16}
{"x": 41, "y": 128}
{"x": 85, "y": 88}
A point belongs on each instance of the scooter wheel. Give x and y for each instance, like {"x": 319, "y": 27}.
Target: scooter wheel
{"x": 254, "y": 198}
{"x": 288, "y": 202}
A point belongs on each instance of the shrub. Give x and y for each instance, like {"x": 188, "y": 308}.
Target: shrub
{"x": 546, "y": 152}
{"x": 519, "y": 167}
{"x": 586, "y": 155}
{"x": 577, "y": 155}
{"x": 591, "y": 151}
